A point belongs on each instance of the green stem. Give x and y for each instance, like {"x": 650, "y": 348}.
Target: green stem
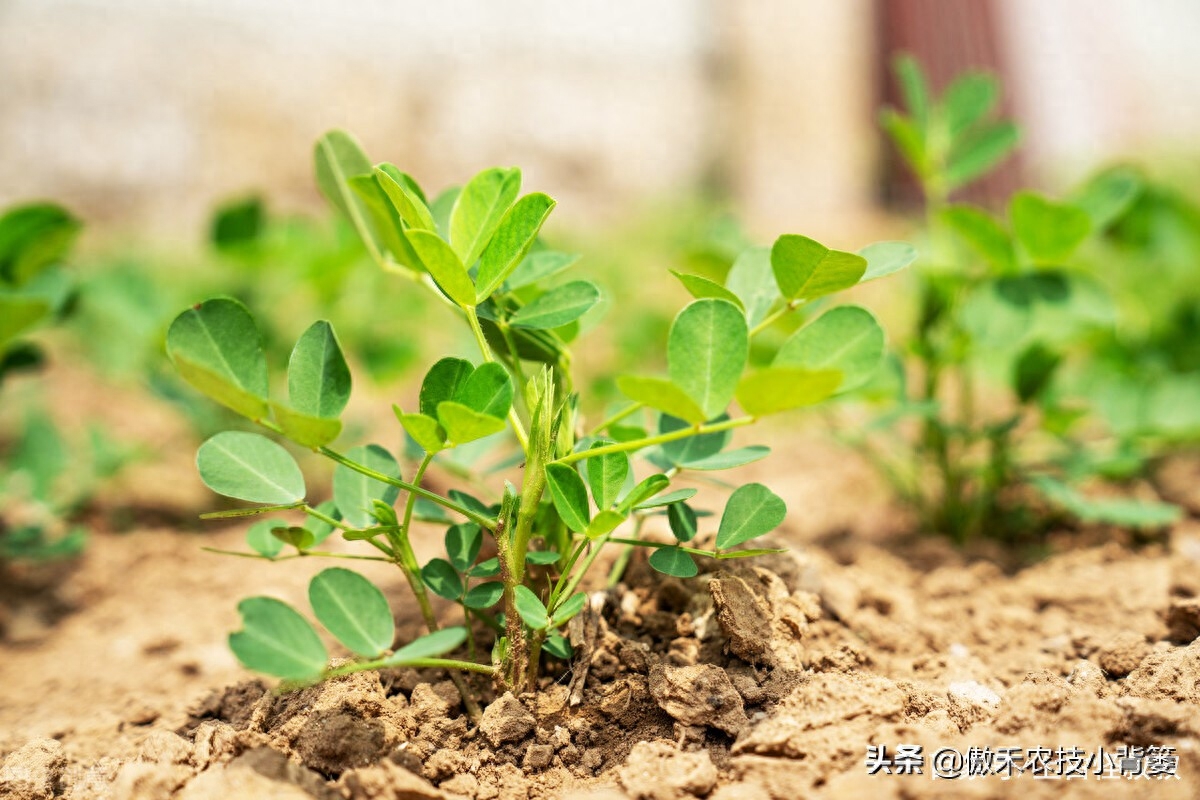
{"x": 402, "y": 546}
{"x": 419, "y": 663}
{"x": 486, "y": 350}
{"x": 650, "y": 441}
{"x": 535, "y": 658}
{"x": 770, "y": 319}
{"x": 474, "y": 516}
{"x": 511, "y": 344}
{"x": 622, "y": 563}
{"x": 306, "y": 553}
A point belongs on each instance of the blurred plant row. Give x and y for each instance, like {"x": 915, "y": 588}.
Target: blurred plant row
{"x": 1039, "y": 354}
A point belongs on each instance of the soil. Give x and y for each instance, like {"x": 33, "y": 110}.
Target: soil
{"x": 767, "y": 678}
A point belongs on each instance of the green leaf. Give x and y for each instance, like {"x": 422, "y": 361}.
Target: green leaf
{"x": 294, "y": 535}
{"x": 558, "y": 647}
{"x": 913, "y": 88}
{"x": 1033, "y": 370}
{"x": 661, "y": 394}
{"x": 978, "y": 152}
{"x": 304, "y": 429}
{"x": 558, "y": 306}
{"x": 706, "y": 352}
{"x": 408, "y": 204}
{"x": 752, "y": 511}
{"x": 643, "y": 491}
{"x": 19, "y": 314}
{"x": 691, "y": 448}
{"x": 969, "y": 99}
{"x": 666, "y": 499}
{"x": 908, "y": 139}
{"x": 683, "y": 522}
{"x": 805, "y": 268}
{"x": 569, "y": 494}
{"x": 1049, "y": 232}
{"x": 462, "y": 544}
{"x": 673, "y": 561}
{"x": 464, "y": 424}
{"x": 33, "y": 237}
{"x": 538, "y": 266}
{"x": 216, "y": 347}
{"x": 489, "y": 568}
{"x": 700, "y": 287}
{"x": 1107, "y": 195}
{"x": 431, "y": 645}
{"x": 386, "y": 228}
{"x": 567, "y": 609}
{"x": 277, "y": 641}
{"x": 517, "y": 232}
{"x": 249, "y": 466}
{"x": 318, "y": 377}
{"x": 730, "y": 458}
{"x": 848, "y": 339}
{"x": 353, "y": 610}
{"x": 752, "y": 280}
{"x": 777, "y": 389}
{"x": 441, "y": 577}
{"x": 442, "y": 383}
{"x": 479, "y": 209}
{"x": 338, "y": 158}
{"x": 355, "y": 494}
{"x": 484, "y": 596}
{"x": 488, "y": 390}
{"x": 606, "y": 476}
{"x": 542, "y": 557}
{"x": 1122, "y": 511}
{"x": 319, "y": 528}
{"x": 980, "y": 231}
{"x": 424, "y": 430}
{"x": 884, "y": 258}
{"x": 444, "y": 265}
{"x": 531, "y": 609}
{"x": 606, "y": 521}
{"x": 260, "y": 539}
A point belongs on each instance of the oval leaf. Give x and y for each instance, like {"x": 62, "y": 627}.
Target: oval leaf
{"x": 847, "y": 339}
{"x": 465, "y": 424}
{"x": 569, "y": 608}
{"x": 683, "y": 521}
{"x": 441, "y": 577}
{"x": 488, "y": 390}
{"x": 480, "y": 207}
{"x": 700, "y": 287}
{"x": 353, "y": 610}
{"x": 355, "y": 494}
{"x": 558, "y": 306}
{"x": 777, "y": 389}
{"x": 531, "y": 609}
{"x": 1049, "y": 232}
{"x": 276, "y": 640}
{"x": 462, "y": 544}
{"x": 424, "y": 430}
{"x": 730, "y": 458}
{"x": 431, "y": 645}
{"x": 706, "y": 352}
{"x": 442, "y": 383}
{"x": 408, "y": 204}
{"x": 444, "y": 266}
{"x": 603, "y": 523}
{"x": 304, "y": 429}
{"x": 751, "y": 279}
{"x": 643, "y": 491}
{"x": 569, "y": 494}
{"x": 805, "y": 268}
{"x": 517, "y": 232}
{"x": 691, "y": 448}
{"x": 318, "y": 377}
{"x": 538, "y": 266}
{"x": 261, "y": 540}
{"x": 884, "y": 258}
{"x": 752, "y": 510}
{"x": 217, "y": 348}
{"x": 249, "y": 466}
{"x": 606, "y": 476}
{"x": 673, "y": 561}
{"x": 484, "y": 596}
{"x": 663, "y": 395}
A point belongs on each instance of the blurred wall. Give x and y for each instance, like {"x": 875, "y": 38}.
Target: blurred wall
{"x": 148, "y": 111}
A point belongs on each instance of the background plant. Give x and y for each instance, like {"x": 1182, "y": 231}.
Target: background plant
{"x": 1003, "y": 302}
{"x": 477, "y": 250}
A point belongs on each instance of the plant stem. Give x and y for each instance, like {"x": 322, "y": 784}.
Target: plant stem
{"x": 770, "y": 319}
{"x": 420, "y": 663}
{"x": 535, "y": 658}
{"x": 486, "y": 350}
{"x": 511, "y": 344}
{"x": 622, "y": 563}
{"x": 650, "y": 441}
{"x": 474, "y": 516}
{"x": 306, "y": 553}
{"x": 617, "y": 417}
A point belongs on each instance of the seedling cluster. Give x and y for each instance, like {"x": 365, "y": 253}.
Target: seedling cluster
{"x": 478, "y": 250}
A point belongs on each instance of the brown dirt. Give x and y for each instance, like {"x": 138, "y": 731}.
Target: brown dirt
{"x": 767, "y": 679}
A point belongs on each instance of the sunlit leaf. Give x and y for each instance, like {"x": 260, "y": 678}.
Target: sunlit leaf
{"x": 848, "y": 339}
{"x": 355, "y": 493}
{"x": 673, "y": 561}
{"x": 277, "y": 641}
{"x": 216, "y": 347}
{"x": 752, "y": 511}
{"x": 249, "y": 466}
{"x": 353, "y": 610}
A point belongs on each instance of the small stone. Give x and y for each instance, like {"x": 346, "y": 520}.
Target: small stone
{"x": 657, "y": 771}
{"x": 1183, "y": 620}
{"x": 616, "y": 701}
{"x": 537, "y": 757}
{"x": 32, "y": 772}
{"x": 165, "y": 747}
{"x": 699, "y": 695}
{"x": 387, "y": 781}
{"x": 506, "y": 720}
{"x": 427, "y": 704}
{"x": 1122, "y": 654}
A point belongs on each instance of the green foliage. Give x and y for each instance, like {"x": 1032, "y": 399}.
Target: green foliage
{"x": 1008, "y": 312}
{"x": 480, "y": 249}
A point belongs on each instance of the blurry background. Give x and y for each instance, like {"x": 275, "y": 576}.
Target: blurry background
{"x": 148, "y": 112}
